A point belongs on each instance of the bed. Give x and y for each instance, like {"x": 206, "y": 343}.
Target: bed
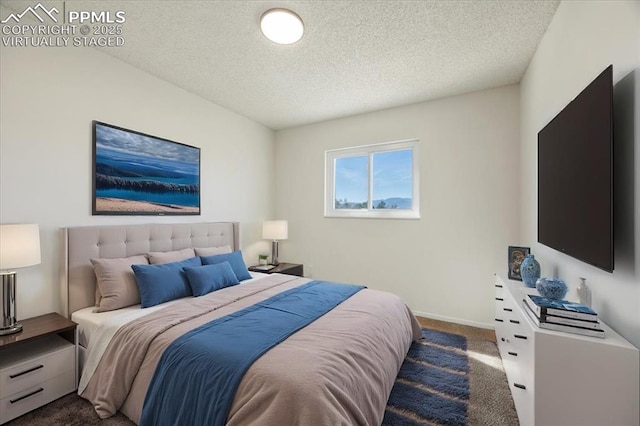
{"x": 338, "y": 367}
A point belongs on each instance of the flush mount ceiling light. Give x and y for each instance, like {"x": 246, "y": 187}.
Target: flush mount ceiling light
{"x": 281, "y": 26}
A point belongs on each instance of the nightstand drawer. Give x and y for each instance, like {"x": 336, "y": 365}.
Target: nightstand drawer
{"x": 36, "y": 396}
{"x": 35, "y": 362}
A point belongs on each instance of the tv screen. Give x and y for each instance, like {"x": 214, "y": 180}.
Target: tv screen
{"x": 575, "y": 176}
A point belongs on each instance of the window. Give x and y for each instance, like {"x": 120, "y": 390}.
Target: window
{"x": 374, "y": 181}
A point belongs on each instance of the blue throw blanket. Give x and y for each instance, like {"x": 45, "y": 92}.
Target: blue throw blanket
{"x": 198, "y": 374}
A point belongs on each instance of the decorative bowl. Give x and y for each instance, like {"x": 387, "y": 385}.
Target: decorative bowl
{"x": 551, "y": 288}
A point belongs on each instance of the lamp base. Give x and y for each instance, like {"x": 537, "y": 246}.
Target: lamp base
{"x": 15, "y": 328}
{"x": 8, "y": 300}
{"x": 274, "y": 253}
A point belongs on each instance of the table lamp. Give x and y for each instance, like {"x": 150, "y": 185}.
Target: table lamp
{"x": 275, "y": 230}
{"x": 19, "y": 248}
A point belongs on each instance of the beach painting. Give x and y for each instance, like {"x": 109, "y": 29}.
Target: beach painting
{"x": 140, "y": 174}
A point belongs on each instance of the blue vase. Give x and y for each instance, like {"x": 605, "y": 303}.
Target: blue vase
{"x": 551, "y": 288}
{"x": 530, "y": 270}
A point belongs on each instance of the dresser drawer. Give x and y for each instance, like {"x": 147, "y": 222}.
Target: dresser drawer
{"x": 505, "y": 312}
{"x": 520, "y": 377}
{"x": 523, "y": 399}
{"x": 520, "y": 354}
{"x": 48, "y": 358}
{"x": 521, "y": 350}
{"x": 36, "y": 396}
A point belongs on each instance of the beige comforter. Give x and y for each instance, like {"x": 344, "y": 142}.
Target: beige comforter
{"x": 338, "y": 370}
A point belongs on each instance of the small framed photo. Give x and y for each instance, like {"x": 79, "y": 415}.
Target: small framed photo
{"x": 516, "y": 256}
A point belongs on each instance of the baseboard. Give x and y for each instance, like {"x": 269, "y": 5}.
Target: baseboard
{"x": 454, "y": 320}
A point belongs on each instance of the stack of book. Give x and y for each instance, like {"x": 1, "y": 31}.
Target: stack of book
{"x": 562, "y": 315}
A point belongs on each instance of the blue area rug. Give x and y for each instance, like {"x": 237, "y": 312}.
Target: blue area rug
{"x": 433, "y": 383}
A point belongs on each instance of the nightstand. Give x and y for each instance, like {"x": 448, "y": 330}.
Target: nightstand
{"x": 37, "y": 365}
{"x": 283, "y": 268}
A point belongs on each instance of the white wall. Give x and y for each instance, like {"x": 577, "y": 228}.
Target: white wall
{"x": 49, "y": 98}
{"x": 583, "y": 39}
{"x": 441, "y": 264}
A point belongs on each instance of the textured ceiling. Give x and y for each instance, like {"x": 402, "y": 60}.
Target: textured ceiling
{"x": 355, "y": 56}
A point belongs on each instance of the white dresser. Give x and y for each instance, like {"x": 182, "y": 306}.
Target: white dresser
{"x": 560, "y": 378}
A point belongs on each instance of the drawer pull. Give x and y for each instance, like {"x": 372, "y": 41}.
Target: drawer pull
{"x": 505, "y": 339}
{"x": 508, "y": 309}
{"x": 13, "y": 376}
{"x": 13, "y": 401}
{"x": 499, "y": 285}
{"x": 500, "y": 299}
{"x": 514, "y": 321}
{"x": 520, "y": 336}
{"x": 513, "y": 353}
{"x": 499, "y": 320}
{"x": 518, "y": 385}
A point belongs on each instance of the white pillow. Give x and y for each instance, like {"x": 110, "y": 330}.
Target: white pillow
{"x": 212, "y": 251}
{"x": 158, "y": 257}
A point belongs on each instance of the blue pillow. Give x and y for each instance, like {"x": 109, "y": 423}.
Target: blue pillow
{"x": 234, "y": 259}
{"x": 208, "y": 278}
{"x": 162, "y": 283}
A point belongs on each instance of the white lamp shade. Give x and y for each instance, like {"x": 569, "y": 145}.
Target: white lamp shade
{"x": 275, "y": 230}
{"x": 19, "y": 246}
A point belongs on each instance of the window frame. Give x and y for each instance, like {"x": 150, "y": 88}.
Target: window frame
{"x": 369, "y": 150}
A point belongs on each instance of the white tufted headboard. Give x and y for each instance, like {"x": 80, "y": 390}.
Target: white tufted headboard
{"x": 89, "y": 242}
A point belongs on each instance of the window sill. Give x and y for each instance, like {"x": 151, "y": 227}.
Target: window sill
{"x": 368, "y": 214}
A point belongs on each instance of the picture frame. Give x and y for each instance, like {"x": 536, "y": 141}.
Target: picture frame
{"x": 516, "y": 256}
{"x": 135, "y": 173}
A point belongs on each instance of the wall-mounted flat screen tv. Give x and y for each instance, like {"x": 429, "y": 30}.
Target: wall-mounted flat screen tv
{"x": 575, "y": 176}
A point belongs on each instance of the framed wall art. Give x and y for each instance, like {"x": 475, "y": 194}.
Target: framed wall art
{"x": 139, "y": 174}
{"x": 516, "y": 256}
